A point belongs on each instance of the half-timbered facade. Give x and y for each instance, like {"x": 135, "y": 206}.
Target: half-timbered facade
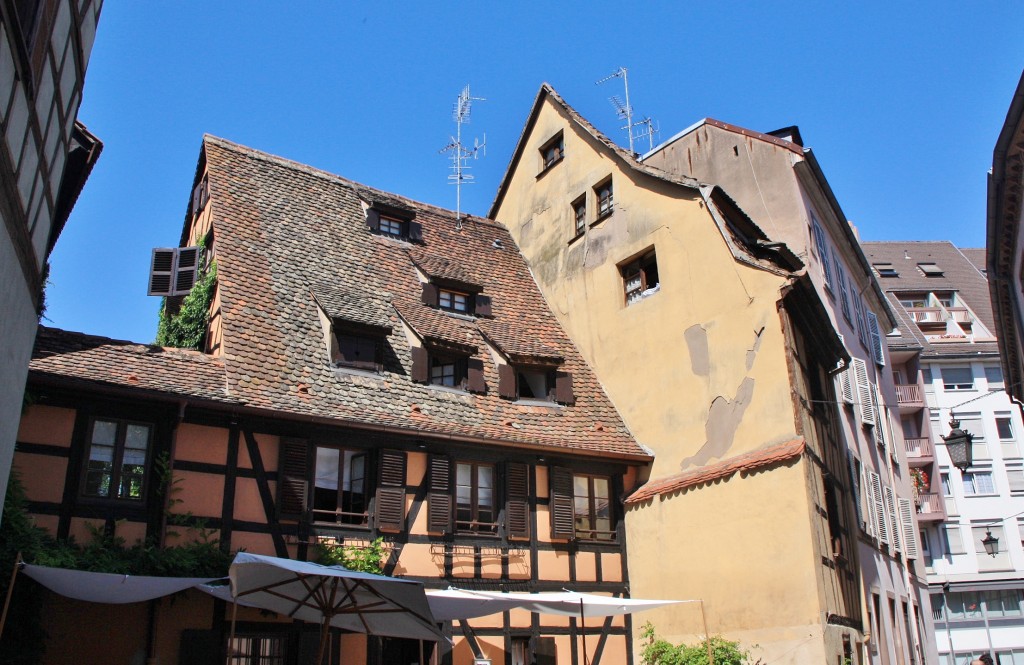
{"x": 373, "y": 368}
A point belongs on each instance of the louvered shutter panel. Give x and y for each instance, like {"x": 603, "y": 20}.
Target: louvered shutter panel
{"x": 390, "y": 508}
{"x": 482, "y": 306}
{"x": 895, "y": 530}
{"x": 517, "y": 507}
{"x": 475, "y": 376}
{"x": 563, "y": 519}
{"x": 507, "y": 381}
{"x": 954, "y": 540}
{"x": 563, "y": 388}
{"x": 439, "y": 495}
{"x": 868, "y": 503}
{"x": 881, "y": 521}
{"x": 196, "y": 206}
{"x": 161, "y": 270}
{"x": 429, "y": 296}
{"x": 845, "y": 382}
{"x": 1015, "y": 478}
{"x": 864, "y": 394}
{"x": 909, "y": 530}
{"x": 415, "y": 231}
{"x": 293, "y": 478}
{"x": 185, "y": 270}
{"x": 881, "y": 417}
{"x": 877, "y": 350}
{"x": 373, "y": 220}
{"x": 420, "y": 364}
{"x": 851, "y": 462}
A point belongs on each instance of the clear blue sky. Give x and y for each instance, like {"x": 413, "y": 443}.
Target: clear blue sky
{"x": 901, "y": 102}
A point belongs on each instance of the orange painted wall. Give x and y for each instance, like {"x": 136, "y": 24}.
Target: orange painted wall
{"x": 48, "y": 425}
{"x": 42, "y": 476}
{"x": 81, "y": 632}
{"x": 198, "y": 443}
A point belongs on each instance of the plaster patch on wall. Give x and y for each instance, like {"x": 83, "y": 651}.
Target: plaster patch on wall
{"x": 724, "y": 418}
{"x": 697, "y": 344}
{"x": 752, "y": 353}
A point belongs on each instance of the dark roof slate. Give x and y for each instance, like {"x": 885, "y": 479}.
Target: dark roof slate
{"x": 349, "y": 305}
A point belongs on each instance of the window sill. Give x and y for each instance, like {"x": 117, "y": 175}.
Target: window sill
{"x": 355, "y": 371}
{"x": 544, "y": 171}
{"x": 575, "y": 238}
{"x": 448, "y": 389}
{"x": 530, "y": 401}
{"x": 457, "y": 315}
{"x": 602, "y": 217}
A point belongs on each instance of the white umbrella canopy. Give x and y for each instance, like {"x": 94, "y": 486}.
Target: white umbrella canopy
{"x": 333, "y": 596}
{"x": 454, "y": 604}
{"x": 572, "y": 603}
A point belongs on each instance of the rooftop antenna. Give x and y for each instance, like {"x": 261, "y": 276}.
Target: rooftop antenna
{"x": 624, "y": 110}
{"x": 459, "y": 152}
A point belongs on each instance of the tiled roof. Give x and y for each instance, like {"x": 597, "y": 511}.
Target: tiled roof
{"x": 959, "y": 274}
{"x": 282, "y": 228}
{"x": 441, "y": 267}
{"x": 353, "y": 306}
{"x": 756, "y": 459}
{"x": 509, "y": 339}
{"x": 102, "y": 361}
{"x": 977, "y": 256}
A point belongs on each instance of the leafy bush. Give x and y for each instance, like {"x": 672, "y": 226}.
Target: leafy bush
{"x": 186, "y": 328}
{"x": 661, "y": 652}
{"x": 360, "y": 558}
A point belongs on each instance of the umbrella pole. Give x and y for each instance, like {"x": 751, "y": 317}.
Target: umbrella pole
{"x": 231, "y": 639}
{"x": 10, "y": 591}
{"x": 324, "y": 633}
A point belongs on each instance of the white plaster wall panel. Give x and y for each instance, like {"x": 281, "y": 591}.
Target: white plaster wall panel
{"x": 17, "y": 124}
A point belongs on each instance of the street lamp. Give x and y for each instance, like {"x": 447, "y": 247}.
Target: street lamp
{"x": 958, "y": 445}
{"x": 991, "y": 543}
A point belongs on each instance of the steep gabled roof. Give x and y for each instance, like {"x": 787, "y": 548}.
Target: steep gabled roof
{"x": 285, "y": 229}
{"x": 629, "y": 160}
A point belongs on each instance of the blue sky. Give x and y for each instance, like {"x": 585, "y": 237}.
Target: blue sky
{"x": 901, "y": 102}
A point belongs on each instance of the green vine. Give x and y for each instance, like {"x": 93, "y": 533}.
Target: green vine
{"x": 360, "y": 558}
{"x": 661, "y": 652}
{"x": 186, "y": 328}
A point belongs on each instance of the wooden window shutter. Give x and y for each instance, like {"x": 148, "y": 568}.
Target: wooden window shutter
{"x": 881, "y": 520}
{"x": 864, "y": 393}
{"x": 475, "y": 376}
{"x": 373, "y": 220}
{"x": 482, "y": 306}
{"x": 517, "y": 507}
{"x": 430, "y": 294}
{"x": 390, "y": 509}
{"x": 877, "y": 348}
{"x": 415, "y": 231}
{"x": 563, "y": 518}
{"x": 439, "y": 495}
{"x": 420, "y": 364}
{"x": 909, "y": 531}
{"x": 868, "y": 502}
{"x": 197, "y": 195}
{"x": 855, "y": 486}
{"x": 507, "y": 381}
{"x": 293, "y": 478}
{"x": 563, "y": 388}
{"x": 895, "y": 532}
{"x": 186, "y": 270}
{"x": 161, "y": 270}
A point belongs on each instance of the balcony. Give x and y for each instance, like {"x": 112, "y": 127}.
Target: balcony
{"x": 930, "y": 508}
{"x": 909, "y": 397}
{"x": 920, "y": 452}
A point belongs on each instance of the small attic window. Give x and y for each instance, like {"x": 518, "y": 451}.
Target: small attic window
{"x": 885, "y": 270}
{"x": 358, "y": 349}
{"x": 930, "y": 269}
{"x": 393, "y": 222}
{"x": 552, "y": 152}
{"x": 455, "y": 299}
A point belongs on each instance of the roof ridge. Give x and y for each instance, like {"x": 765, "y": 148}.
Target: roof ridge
{"x": 285, "y": 162}
{"x": 102, "y": 339}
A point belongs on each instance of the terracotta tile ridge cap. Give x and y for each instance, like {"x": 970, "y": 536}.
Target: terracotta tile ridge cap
{"x": 102, "y": 340}
{"x": 358, "y": 187}
{"x": 746, "y": 462}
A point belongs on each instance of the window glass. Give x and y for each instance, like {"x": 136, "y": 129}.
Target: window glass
{"x": 339, "y": 486}
{"x": 957, "y": 378}
{"x": 474, "y": 497}
{"x": 964, "y": 605}
{"x": 994, "y": 376}
{"x": 552, "y": 151}
{"x": 978, "y": 483}
{"x": 358, "y": 351}
{"x": 533, "y": 383}
{"x": 603, "y": 193}
{"x": 257, "y": 650}
{"x": 442, "y": 372}
{"x": 592, "y": 507}
{"x": 391, "y": 227}
{"x": 453, "y": 300}
{"x": 1003, "y": 603}
{"x": 116, "y": 466}
{"x": 579, "y": 213}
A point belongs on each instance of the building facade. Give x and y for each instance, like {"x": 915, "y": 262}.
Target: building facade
{"x": 780, "y": 184}
{"x": 45, "y": 157}
{"x": 373, "y": 368}
{"x": 716, "y": 349}
{"x": 943, "y": 300}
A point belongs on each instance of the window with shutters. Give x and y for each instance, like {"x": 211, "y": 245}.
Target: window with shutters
{"x": 454, "y": 301}
{"x": 552, "y": 152}
{"x": 475, "y": 509}
{"x": 592, "y": 507}
{"x": 535, "y": 382}
{"x": 460, "y": 299}
{"x": 393, "y": 222}
{"x": 358, "y": 349}
{"x": 821, "y": 245}
{"x": 200, "y": 195}
{"x": 844, "y": 299}
{"x": 173, "y": 271}
{"x": 1015, "y": 480}
{"x": 447, "y": 368}
{"x": 117, "y": 460}
{"x": 877, "y": 341}
{"x": 340, "y": 487}
{"x": 640, "y": 277}
{"x": 257, "y": 649}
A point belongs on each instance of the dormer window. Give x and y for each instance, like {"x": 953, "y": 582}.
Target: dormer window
{"x": 448, "y": 366}
{"x": 552, "y": 152}
{"x": 357, "y": 349}
{"x": 930, "y": 269}
{"x": 458, "y": 300}
{"x": 446, "y": 370}
{"x": 453, "y": 301}
{"x": 393, "y": 222}
{"x": 355, "y": 327}
{"x": 543, "y": 383}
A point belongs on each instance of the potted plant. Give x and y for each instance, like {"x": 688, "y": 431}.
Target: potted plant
{"x": 919, "y": 480}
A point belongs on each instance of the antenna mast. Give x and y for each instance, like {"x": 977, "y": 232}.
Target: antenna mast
{"x": 625, "y": 112}
{"x": 459, "y": 152}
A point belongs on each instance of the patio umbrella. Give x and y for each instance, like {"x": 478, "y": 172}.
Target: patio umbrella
{"x": 453, "y": 604}
{"x": 333, "y": 596}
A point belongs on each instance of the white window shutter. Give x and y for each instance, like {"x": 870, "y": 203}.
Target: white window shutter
{"x": 880, "y": 417}
{"x": 895, "y": 531}
{"x": 877, "y": 350}
{"x": 954, "y": 540}
{"x": 1016, "y": 480}
{"x": 909, "y": 530}
{"x": 845, "y": 384}
{"x": 867, "y": 503}
{"x": 864, "y": 393}
{"x": 186, "y": 269}
{"x": 161, "y": 271}
{"x": 881, "y": 521}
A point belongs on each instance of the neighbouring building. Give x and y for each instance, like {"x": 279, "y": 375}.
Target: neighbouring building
{"x": 45, "y": 157}
{"x": 716, "y": 348}
{"x": 373, "y": 367}
{"x": 1005, "y": 243}
{"x": 942, "y": 298}
{"x": 780, "y": 184}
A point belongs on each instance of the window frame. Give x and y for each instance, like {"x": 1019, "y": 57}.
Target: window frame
{"x": 255, "y": 655}
{"x": 340, "y": 513}
{"x": 117, "y": 461}
{"x": 377, "y": 340}
{"x": 640, "y": 266}
{"x": 453, "y": 296}
{"x": 579, "y": 215}
{"x": 957, "y": 386}
{"x": 474, "y": 525}
{"x": 460, "y": 369}
{"x": 396, "y": 228}
{"x": 592, "y": 513}
{"x": 604, "y": 199}
{"x": 558, "y": 143}
{"x": 968, "y": 480}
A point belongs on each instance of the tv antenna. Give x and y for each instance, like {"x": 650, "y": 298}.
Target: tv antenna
{"x": 624, "y": 110}
{"x": 460, "y": 152}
